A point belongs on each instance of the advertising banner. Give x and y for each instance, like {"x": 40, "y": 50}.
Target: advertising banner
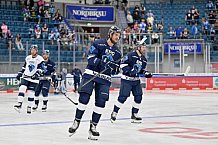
{"x": 177, "y": 83}
{"x": 189, "y": 48}
{"x": 8, "y": 83}
{"x": 90, "y": 13}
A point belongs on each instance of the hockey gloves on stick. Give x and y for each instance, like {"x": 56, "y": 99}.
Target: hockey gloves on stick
{"x": 148, "y": 74}
{"x": 19, "y": 75}
{"x": 35, "y": 76}
{"x": 108, "y": 62}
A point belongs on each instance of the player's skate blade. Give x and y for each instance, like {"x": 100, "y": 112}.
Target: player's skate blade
{"x": 74, "y": 127}
{"x": 92, "y": 137}
{"x": 93, "y": 133}
{"x": 135, "y": 118}
{"x": 17, "y": 107}
{"x": 113, "y": 117}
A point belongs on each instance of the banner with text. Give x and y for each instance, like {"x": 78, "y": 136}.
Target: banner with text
{"x": 91, "y": 13}
{"x": 189, "y": 48}
{"x": 177, "y": 83}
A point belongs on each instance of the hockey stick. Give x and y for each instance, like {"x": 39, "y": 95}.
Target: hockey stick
{"x": 96, "y": 75}
{"x": 174, "y": 74}
{"x": 75, "y": 103}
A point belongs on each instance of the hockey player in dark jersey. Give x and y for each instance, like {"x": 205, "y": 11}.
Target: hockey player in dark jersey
{"x": 76, "y": 72}
{"x": 47, "y": 77}
{"x": 133, "y": 65}
{"x": 29, "y": 78}
{"x": 103, "y": 61}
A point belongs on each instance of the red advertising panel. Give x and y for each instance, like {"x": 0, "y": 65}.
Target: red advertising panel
{"x": 176, "y": 83}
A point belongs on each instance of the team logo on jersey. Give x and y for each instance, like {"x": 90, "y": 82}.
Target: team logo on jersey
{"x": 92, "y": 48}
{"x": 31, "y": 67}
{"x": 139, "y": 62}
{"x": 107, "y": 51}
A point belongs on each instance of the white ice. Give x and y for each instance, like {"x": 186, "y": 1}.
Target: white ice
{"x": 169, "y": 118}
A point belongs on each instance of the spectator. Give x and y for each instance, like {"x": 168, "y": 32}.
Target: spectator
{"x": 136, "y": 9}
{"x": 150, "y": 20}
{"x": 31, "y": 32}
{"x": 212, "y": 33}
{"x": 212, "y": 17}
{"x": 150, "y": 14}
{"x": 189, "y": 17}
{"x": 57, "y": 35}
{"x": 41, "y": 14}
{"x": 185, "y": 33}
{"x": 136, "y": 16}
{"x": 149, "y": 28}
{"x": 160, "y": 27}
{"x": 40, "y": 3}
{"x": 62, "y": 31}
{"x": 57, "y": 17}
{"x": 29, "y": 3}
{"x": 33, "y": 13}
{"x": 45, "y": 31}
{"x": 38, "y": 33}
{"x": 4, "y": 28}
{"x": 1, "y": 36}
{"x": 143, "y": 26}
{"x": 124, "y": 4}
{"x": 19, "y": 43}
{"x": 9, "y": 37}
{"x": 47, "y": 15}
{"x": 194, "y": 30}
{"x": 26, "y": 13}
{"x": 98, "y": 2}
{"x": 210, "y": 5}
{"x": 205, "y": 26}
{"x": 178, "y": 32}
{"x": 129, "y": 19}
{"x": 51, "y": 37}
{"x": 52, "y": 10}
{"x": 142, "y": 9}
{"x": 107, "y": 1}
{"x": 171, "y": 33}
{"x": 216, "y": 5}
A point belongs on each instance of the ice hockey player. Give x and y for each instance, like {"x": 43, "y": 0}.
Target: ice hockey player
{"x": 29, "y": 78}
{"x": 103, "y": 61}
{"x": 48, "y": 71}
{"x": 76, "y": 72}
{"x": 132, "y": 65}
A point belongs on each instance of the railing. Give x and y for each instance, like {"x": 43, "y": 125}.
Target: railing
{"x": 68, "y": 53}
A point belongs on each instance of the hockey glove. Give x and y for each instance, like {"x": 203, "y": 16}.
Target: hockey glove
{"x": 19, "y": 75}
{"x": 35, "y": 76}
{"x": 111, "y": 65}
{"x": 148, "y": 74}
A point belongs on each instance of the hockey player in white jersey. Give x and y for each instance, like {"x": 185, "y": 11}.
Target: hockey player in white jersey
{"x": 28, "y": 76}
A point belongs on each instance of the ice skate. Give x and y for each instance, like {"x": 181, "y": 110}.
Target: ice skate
{"x": 28, "y": 110}
{"x": 35, "y": 107}
{"x": 113, "y": 117}
{"x": 44, "y": 108}
{"x": 135, "y": 118}
{"x": 18, "y": 106}
{"x": 93, "y": 134}
{"x": 74, "y": 127}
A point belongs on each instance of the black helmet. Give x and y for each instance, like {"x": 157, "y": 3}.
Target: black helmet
{"x": 114, "y": 29}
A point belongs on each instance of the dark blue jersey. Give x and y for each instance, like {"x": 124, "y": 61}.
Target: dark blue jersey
{"x": 48, "y": 68}
{"x": 128, "y": 63}
{"x": 95, "y": 66}
{"x": 76, "y": 72}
